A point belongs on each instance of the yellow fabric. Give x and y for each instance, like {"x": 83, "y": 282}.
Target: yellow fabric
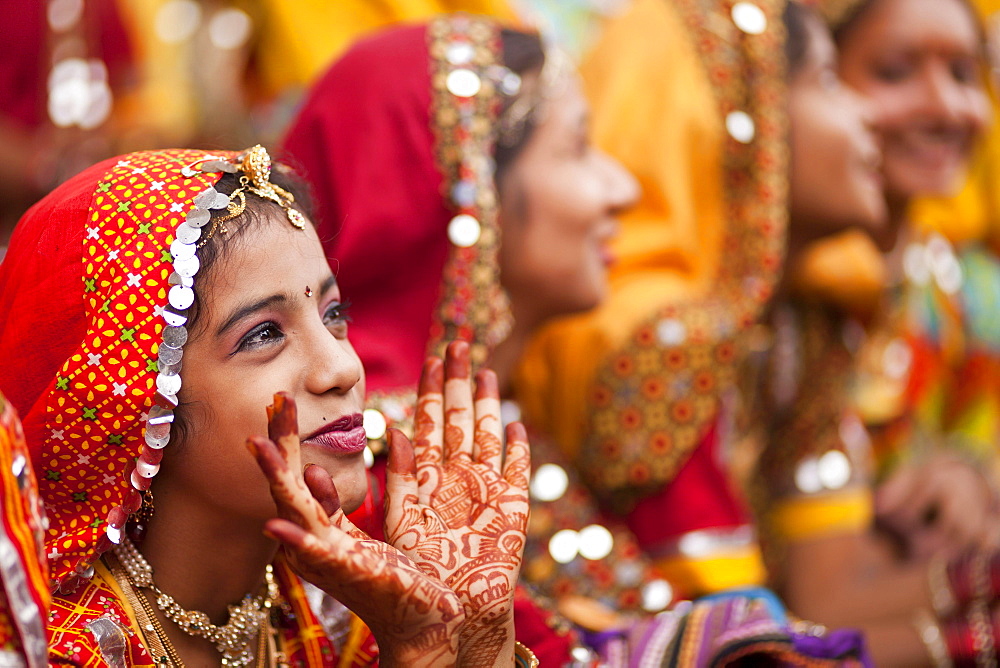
{"x": 301, "y": 38}
{"x": 643, "y": 69}
{"x": 104, "y": 576}
{"x": 810, "y": 517}
{"x": 846, "y": 270}
{"x": 739, "y": 567}
{"x": 162, "y": 107}
{"x": 356, "y": 637}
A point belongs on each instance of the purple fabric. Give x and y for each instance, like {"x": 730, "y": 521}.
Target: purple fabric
{"x": 834, "y": 645}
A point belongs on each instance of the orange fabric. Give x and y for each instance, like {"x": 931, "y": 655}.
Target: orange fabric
{"x": 24, "y": 596}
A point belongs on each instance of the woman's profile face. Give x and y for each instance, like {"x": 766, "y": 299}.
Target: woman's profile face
{"x": 835, "y": 175}
{"x": 920, "y": 63}
{"x": 558, "y": 202}
{"x": 270, "y": 320}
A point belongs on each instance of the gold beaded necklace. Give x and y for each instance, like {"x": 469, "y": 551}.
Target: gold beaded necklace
{"x": 233, "y": 640}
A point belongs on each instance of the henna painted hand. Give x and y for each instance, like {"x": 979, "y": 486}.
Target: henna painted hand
{"x": 414, "y": 617}
{"x": 457, "y": 506}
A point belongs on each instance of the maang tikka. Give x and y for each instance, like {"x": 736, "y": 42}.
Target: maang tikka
{"x": 255, "y": 165}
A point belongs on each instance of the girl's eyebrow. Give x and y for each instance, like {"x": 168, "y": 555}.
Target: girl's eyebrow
{"x": 328, "y": 283}
{"x": 248, "y": 309}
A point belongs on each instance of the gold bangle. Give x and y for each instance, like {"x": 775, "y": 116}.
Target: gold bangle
{"x": 942, "y": 598}
{"x": 524, "y": 657}
{"x": 930, "y": 634}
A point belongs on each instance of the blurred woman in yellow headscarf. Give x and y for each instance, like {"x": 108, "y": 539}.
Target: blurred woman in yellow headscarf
{"x": 635, "y": 391}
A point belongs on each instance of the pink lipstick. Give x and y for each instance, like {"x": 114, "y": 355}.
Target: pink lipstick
{"x": 345, "y": 434}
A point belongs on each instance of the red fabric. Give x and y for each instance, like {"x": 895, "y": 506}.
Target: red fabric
{"x": 363, "y": 140}
{"x": 700, "y": 497}
{"x": 86, "y": 270}
{"x": 41, "y": 281}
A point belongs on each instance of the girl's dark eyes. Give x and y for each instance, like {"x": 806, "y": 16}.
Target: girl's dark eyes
{"x": 336, "y": 317}
{"x": 268, "y": 333}
{"x": 892, "y": 73}
{"x": 263, "y": 334}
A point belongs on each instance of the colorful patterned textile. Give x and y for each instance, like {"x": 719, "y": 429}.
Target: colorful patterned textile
{"x": 930, "y": 370}
{"x": 94, "y": 295}
{"x": 24, "y": 595}
{"x": 602, "y": 560}
{"x": 87, "y": 425}
{"x": 813, "y": 474}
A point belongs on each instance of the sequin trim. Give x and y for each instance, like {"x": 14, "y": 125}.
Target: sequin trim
{"x": 465, "y": 106}
{"x": 110, "y": 407}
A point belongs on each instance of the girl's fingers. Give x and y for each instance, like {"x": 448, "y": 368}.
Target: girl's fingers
{"x": 401, "y": 493}
{"x": 265, "y": 451}
{"x": 517, "y": 464}
{"x": 283, "y": 428}
{"x": 321, "y": 486}
{"x": 401, "y": 476}
{"x": 487, "y": 442}
{"x": 289, "y": 533}
{"x": 429, "y": 428}
{"x": 459, "y": 422}
{"x": 340, "y": 521}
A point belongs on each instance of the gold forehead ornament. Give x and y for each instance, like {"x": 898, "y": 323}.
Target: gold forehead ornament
{"x": 255, "y": 166}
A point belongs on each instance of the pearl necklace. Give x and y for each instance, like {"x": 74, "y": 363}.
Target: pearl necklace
{"x": 234, "y": 639}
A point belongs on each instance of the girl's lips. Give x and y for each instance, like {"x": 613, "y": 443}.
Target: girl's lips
{"x": 345, "y": 434}
{"x": 350, "y": 441}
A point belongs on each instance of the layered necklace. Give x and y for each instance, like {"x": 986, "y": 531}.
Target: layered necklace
{"x": 233, "y": 640}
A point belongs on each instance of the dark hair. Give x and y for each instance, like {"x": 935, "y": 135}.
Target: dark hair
{"x": 796, "y": 18}
{"x": 850, "y": 19}
{"x": 522, "y": 54}
{"x": 861, "y": 8}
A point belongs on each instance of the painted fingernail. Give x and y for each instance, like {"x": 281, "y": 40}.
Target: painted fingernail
{"x": 401, "y": 457}
{"x": 516, "y": 432}
{"x": 284, "y": 419}
{"x": 432, "y": 378}
{"x": 456, "y": 360}
{"x": 487, "y": 386}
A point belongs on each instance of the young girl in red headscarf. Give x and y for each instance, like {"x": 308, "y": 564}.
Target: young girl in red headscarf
{"x": 151, "y": 307}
